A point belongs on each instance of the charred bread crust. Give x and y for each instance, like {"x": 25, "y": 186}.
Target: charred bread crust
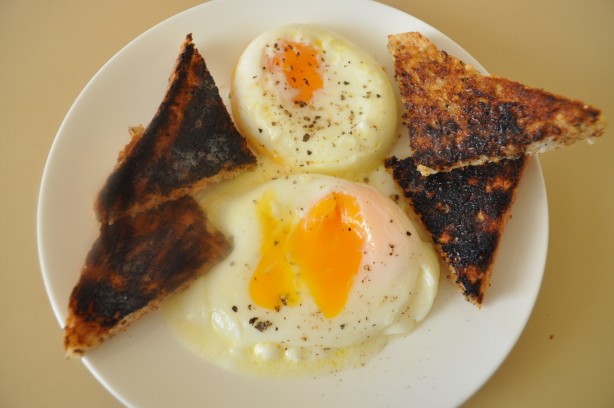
{"x": 134, "y": 264}
{"x": 465, "y": 211}
{"x": 190, "y": 142}
{"x": 457, "y": 116}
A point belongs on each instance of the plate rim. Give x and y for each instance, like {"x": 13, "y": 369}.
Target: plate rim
{"x": 45, "y": 185}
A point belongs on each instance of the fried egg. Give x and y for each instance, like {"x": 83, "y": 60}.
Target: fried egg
{"x": 313, "y": 101}
{"x": 323, "y": 273}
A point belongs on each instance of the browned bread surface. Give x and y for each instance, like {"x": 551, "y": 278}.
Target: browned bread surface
{"x": 190, "y": 142}
{"x": 134, "y": 264}
{"x": 457, "y": 116}
{"x": 465, "y": 211}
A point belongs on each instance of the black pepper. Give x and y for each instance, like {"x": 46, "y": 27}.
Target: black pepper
{"x": 263, "y": 325}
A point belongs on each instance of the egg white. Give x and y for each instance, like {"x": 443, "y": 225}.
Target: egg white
{"x": 393, "y": 290}
{"x": 350, "y": 123}
{"x": 216, "y": 318}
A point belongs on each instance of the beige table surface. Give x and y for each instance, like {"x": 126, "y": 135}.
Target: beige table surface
{"x": 565, "y": 356}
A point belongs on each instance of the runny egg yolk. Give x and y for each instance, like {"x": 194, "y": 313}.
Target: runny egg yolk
{"x": 322, "y": 252}
{"x": 300, "y": 65}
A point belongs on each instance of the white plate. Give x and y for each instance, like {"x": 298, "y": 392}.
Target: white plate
{"x": 442, "y": 363}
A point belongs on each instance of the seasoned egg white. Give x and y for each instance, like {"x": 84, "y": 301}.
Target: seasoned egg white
{"x": 313, "y": 101}
{"x": 324, "y": 271}
{"x": 326, "y": 268}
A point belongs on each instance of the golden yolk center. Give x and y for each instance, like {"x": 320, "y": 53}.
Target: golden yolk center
{"x": 328, "y": 246}
{"x": 300, "y": 65}
{"x": 322, "y": 254}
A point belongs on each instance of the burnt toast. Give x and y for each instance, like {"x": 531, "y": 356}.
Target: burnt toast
{"x": 154, "y": 237}
{"x": 457, "y": 116}
{"x": 190, "y": 142}
{"x": 465, "y": 211}
{"x": 135, "y": 264}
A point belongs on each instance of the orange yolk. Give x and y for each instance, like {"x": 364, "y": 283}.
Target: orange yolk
{"x": 299, "y": 63}
{"x": 328, "y": 246}
{"x": 322, "y": 253}
{"x": 273, "y": 283}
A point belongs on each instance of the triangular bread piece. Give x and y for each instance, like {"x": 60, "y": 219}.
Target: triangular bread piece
{"x": 136, "y": 263}
{"x": 465, "y": 210}
{"x": 190, "y": 142}
{"x": 457, "y": 116}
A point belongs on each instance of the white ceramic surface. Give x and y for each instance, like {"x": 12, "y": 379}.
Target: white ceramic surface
{"x": 442, "y": 363}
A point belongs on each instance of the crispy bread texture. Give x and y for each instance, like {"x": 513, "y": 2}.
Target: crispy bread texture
{"x": 457, "y": 116}
{"x": 465, "y": 211}
{"x": 190, "y": 142}
{"x": 136, "y": 263}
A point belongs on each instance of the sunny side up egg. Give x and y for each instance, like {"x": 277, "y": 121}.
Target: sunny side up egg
{"x": 313, "y": 101}
{"x": 323, "y": 272}
{"x": 326, "y": 268}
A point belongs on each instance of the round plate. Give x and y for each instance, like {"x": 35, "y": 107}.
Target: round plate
{"x": 442, "y": 363}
